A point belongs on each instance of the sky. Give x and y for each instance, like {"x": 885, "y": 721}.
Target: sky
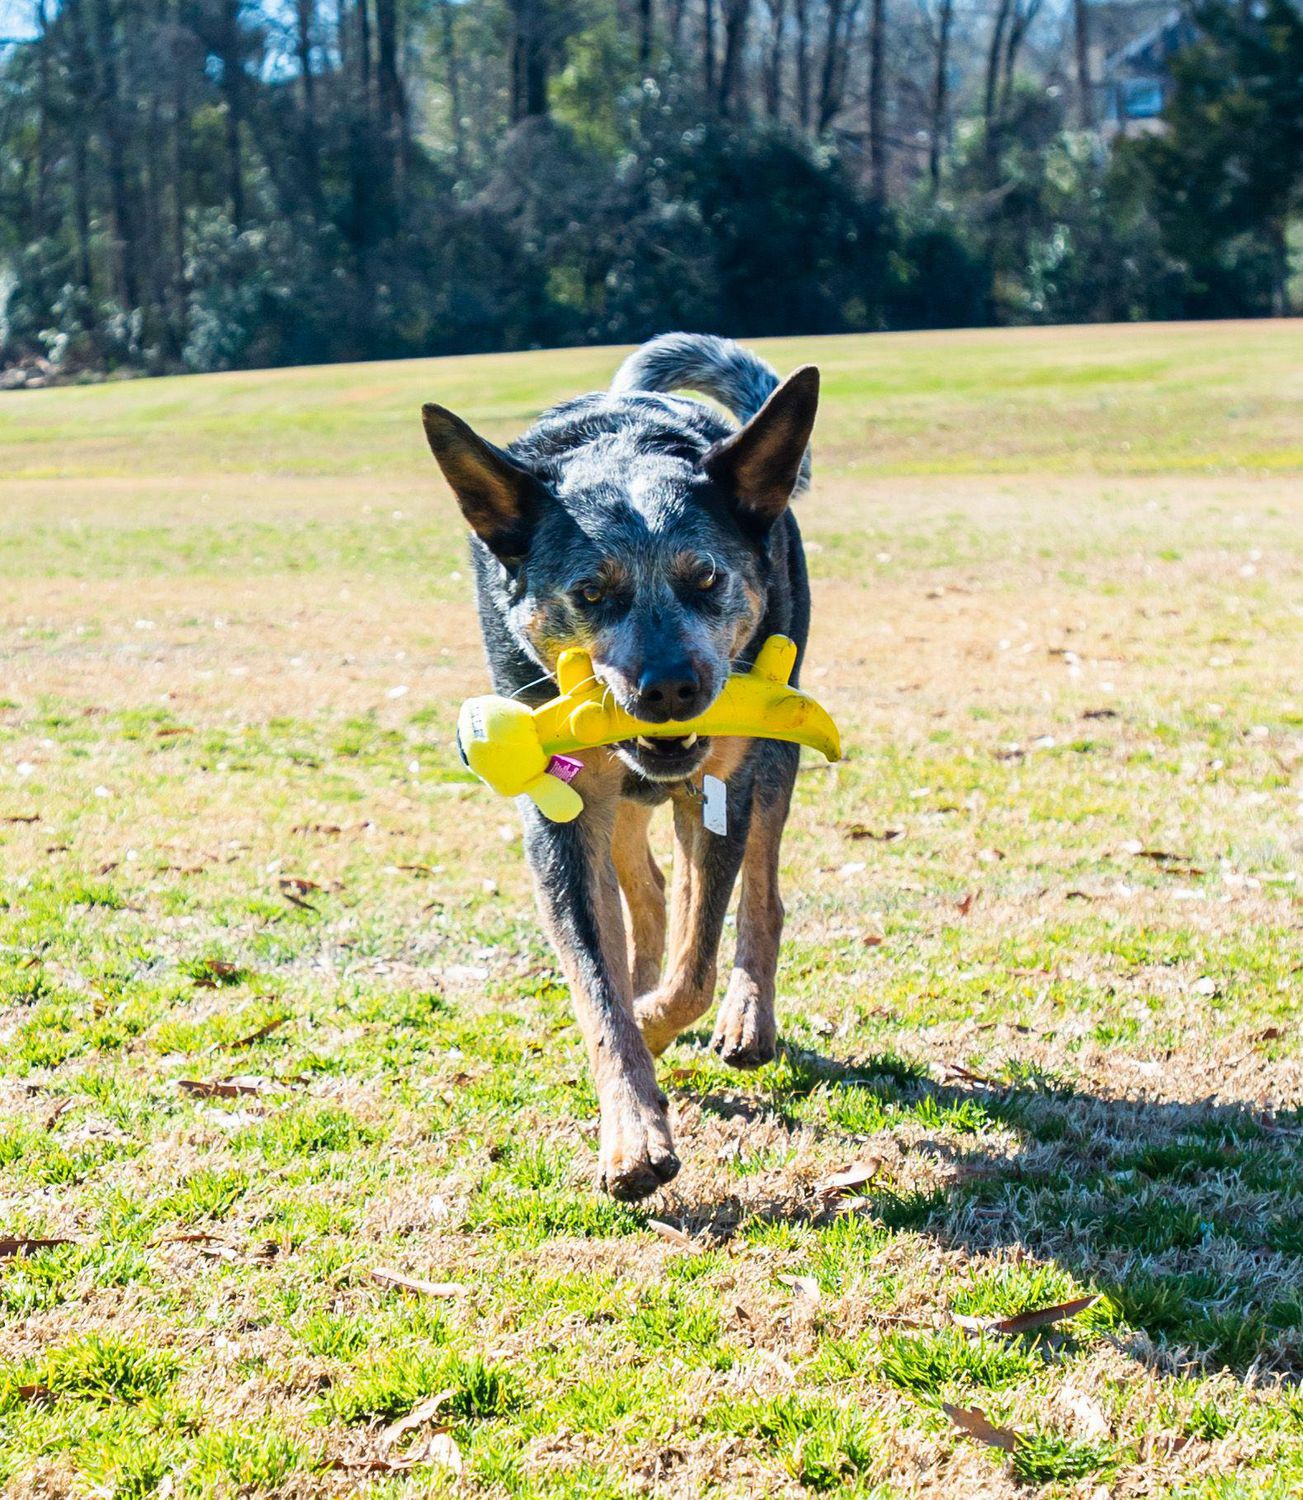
{"x": 16, "y": 18}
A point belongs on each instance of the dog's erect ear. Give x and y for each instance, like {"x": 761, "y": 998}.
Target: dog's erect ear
{"x": 499, "y": 498}
{"x": 761, "y": 463}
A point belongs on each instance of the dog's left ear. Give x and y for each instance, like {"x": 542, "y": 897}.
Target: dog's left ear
{"x": 761, "y": 463}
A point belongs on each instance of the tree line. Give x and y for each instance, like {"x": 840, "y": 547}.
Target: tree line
{"x": 204, "y": 184}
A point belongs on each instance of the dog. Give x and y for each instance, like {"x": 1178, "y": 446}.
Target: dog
{"x": 646, "y": 528}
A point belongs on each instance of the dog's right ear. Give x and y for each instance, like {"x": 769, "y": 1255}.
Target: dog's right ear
{"x": 499, "y": 498}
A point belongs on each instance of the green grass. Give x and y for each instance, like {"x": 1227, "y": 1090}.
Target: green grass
{"x": 1057, "y": 589}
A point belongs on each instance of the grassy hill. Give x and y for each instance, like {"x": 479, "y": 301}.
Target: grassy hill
{"x": 277, "y": 1015}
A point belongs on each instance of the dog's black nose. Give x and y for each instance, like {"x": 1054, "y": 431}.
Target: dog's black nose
{"x": 668, "y": 693}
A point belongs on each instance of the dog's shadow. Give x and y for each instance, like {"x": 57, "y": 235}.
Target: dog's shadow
{"x": 1187, "y": 1216}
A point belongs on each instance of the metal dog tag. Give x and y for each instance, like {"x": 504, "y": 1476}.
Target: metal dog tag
{"x": 714, "y": 805}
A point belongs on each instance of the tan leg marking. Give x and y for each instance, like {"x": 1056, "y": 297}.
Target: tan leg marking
{"x": 642, "y": 884}
{"x": 705, "y": 868}
{"x": 746, "y": 1030}
{"x": 636, "y": 1150}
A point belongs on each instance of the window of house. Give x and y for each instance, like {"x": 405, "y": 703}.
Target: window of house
{"x": 1142, "y": 98}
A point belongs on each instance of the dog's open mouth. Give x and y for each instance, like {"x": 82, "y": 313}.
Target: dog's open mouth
{"x": 665, "y": 757}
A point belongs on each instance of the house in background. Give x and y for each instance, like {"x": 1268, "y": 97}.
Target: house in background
{"x": 1134, "y": 74}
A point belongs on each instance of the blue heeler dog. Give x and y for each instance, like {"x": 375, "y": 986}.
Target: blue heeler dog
{"x": 653, "y": 532}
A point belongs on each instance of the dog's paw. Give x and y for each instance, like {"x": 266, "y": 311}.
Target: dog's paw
{"x": 637, "y": 1147}
{"x": 663, "y": 1013}
{"x": 655, "y": 1031}
{"x": 745, "y": 1035}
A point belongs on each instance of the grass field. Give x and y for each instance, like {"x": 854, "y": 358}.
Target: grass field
{"x": 277, "y": 1015}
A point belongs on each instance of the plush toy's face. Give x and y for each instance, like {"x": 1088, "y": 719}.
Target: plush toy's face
{"x": 636, "y": 529}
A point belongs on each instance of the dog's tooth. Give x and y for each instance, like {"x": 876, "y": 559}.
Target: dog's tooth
{"x": 689, "y": 740}
{"x": 646, "y": 743}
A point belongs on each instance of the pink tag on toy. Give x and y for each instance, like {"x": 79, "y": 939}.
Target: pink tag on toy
{"x": 564, "y": 767}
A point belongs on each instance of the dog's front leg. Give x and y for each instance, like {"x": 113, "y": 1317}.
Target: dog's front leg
{"x": 705, "y": 871}
{"x": 579, "y": 897}
{"x": 746, "y": 1028}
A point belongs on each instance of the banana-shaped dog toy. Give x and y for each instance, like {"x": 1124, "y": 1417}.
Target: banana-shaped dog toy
{"x": 513, "y": 748}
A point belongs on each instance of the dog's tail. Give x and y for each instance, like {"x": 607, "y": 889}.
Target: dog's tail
{"x": 716, "y": 367}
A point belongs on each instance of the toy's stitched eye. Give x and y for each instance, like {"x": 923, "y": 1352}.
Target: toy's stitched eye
{"x": 591, "y": 593}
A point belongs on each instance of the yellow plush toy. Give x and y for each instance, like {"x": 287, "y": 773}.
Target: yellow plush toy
{"x": 515, "y": 748}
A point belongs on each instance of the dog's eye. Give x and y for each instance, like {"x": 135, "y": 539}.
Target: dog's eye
{"x": 708, "y": 580}
{"x": 590, "y": 593}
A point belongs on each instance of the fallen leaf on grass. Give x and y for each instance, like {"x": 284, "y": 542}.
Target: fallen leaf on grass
{"x": 22, "y": 818}
{"x": 60, "y": 1108}
{"x": 1100, "y": 713}
{"x": 417, "y": 869}
{"x": 973, "y": 1420}
{"x": 1024, "y": 1322}
{"x": 34, "y": 1393}
{"x": 437, "y": 1447}
{"x": 417, "y": 1417}
{"x": 189, "y": 1237}
{"x": 298, "y": 901}
{"x": 1167, "y": 1444}
{"x": 11, "y": 1247}
{"x": 388, "y": 1277}
{"x": 887, "y": 836}
{"x": 316, "y": 828}
{"x": 849, "y": 1178}
{"x": 1168, "y": 863}
{"x": 964, "y": 906}
{"x": 210, "y": 972}
{"x": 806, "y": 1285}
{"x": 219, "y": 1088}
{"x": 956, "y": 1072}
{"x": 1137, "y": 850}
{"x": 372, "y": 1464}
{"x": 265, "y": 1029}
{"x": 674, "y": 1236}
{"x": 872, "y": 940}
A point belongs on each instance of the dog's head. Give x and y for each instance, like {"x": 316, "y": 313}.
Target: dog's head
{"x": 641, "y": 541}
